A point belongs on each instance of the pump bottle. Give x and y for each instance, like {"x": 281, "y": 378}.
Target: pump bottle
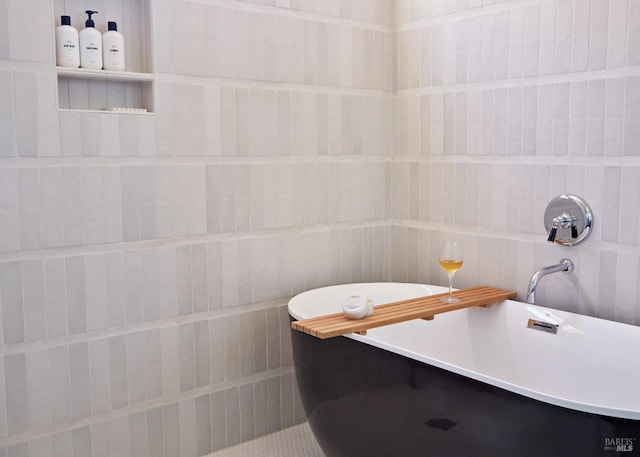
{"x": 67, "y": 47}
{"x": 113, "y": 48}
{"x": 90, "y": 45}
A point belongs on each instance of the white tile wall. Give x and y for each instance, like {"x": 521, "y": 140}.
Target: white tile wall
{"x": 545, "y": 104}
{"x": 146, "y": 260}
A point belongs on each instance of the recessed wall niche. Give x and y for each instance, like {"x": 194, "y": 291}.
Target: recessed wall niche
{"x": 131, "y": 90}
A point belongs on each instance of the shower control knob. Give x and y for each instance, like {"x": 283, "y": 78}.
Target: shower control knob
{"x": 574, "y": 230}
{"x": 564, "y": 221}
{"x": 568, "y": 220}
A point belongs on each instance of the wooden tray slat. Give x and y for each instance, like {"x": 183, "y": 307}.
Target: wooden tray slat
{"x": 337, "y": 324}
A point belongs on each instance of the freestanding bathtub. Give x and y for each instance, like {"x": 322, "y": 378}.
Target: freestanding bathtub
{"x": 473, "y": 382}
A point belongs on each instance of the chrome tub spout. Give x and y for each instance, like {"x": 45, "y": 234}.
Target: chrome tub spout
{"x": 565, "y": 265}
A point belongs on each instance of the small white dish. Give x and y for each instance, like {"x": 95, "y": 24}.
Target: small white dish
{"x": 356, "y": 306}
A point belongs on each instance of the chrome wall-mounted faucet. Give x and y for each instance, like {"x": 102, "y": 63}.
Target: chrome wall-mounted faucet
{"x": 565, "y": 265}
{"x": 568, "y": 220}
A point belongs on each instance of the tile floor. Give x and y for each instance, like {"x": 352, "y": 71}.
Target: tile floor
{"x": 296, "y": 441}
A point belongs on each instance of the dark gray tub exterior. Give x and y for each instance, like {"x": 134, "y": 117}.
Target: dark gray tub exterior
{"x": 362, "y": 401}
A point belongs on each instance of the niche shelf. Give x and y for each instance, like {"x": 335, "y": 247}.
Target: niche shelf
{"x": 129, "y": 91}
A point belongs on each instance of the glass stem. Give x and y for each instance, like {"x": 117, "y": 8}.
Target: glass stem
{"x": 450, "y": 285}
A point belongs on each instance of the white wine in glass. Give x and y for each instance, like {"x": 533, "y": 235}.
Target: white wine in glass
{"x": 450, "y": 261}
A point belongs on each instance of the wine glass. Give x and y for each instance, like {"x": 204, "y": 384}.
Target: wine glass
{"x": 450, "y": 261}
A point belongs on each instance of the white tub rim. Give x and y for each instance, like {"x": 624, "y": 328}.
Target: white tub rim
{"x": 572, "y": 328}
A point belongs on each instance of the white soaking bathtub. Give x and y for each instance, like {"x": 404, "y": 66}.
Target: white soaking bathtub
{"x": 471, "y": 382}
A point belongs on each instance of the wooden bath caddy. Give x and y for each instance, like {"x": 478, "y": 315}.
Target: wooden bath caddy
{"x": 391, "y": 313}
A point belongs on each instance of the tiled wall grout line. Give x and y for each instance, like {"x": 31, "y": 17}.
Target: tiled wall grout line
{"x": 145, "y": 406}
{"x": 286, "y": 12}
{"x": 521, "y": 159}
{"x": 23, "y": 66}
{"x": 474, "y": 12}
{"x": 495, "y": 234}
{"x": 137, "y": 161}
{"x": 596, "y": 75}
{"x": 286, "y": 86}
{"x": 231, "y": 236}
{"x": 37, "y": 345}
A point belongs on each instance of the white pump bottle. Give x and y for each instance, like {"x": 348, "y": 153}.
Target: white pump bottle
{"x": 90, "y": 45}
{"x": 113, "y": 48}
{"x": 67, "y": 47}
